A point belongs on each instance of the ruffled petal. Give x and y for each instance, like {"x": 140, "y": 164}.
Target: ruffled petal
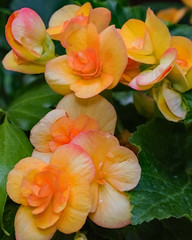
{"x": 26, "y": 229}
{"x": 89, "y": 88}
{"x": 113, "y": 54}
{"x": 41, "y": 155}
{"x": 113, "y": 210}
{"x": 75, "y": 161}
{"x": 94, "y": 107}
{"x": 15, "y": 177}
{"x": 40, "y": 133}
{"x": 78, "y": 206}
{"x": 59, "y": 76}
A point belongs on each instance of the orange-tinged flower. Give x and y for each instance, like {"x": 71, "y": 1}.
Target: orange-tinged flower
{"x": 172, "y": 15}
{"x": 148, "y": 42}
{"x": 72, "y": 116}
{"x": 148, "y": 78}
{"x": 117, "y": 170}
{"x": 170, "y": 102}
{"x": 179, "y": 76}
{"x": 93, "y": 62}
{"x": 69, "y": 18}
{"x": 52, "y": 196}
{"x": 31, "y": 45}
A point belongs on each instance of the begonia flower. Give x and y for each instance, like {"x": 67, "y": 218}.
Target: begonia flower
{"x": 72, "y": 116}
{"x": 31, "y": 45}
{"x": 180, "y": 75}
{"x": 117, "y": 170}
{"x": 172, "y": 15}
{"x": 69, "y": 18}
{"x": 52, "y": 196}
{"x": 149, "y": 42}
{"x": 170, "y": 102}
{"x": 94, "y": 62}
{"x": 188, "y": 3}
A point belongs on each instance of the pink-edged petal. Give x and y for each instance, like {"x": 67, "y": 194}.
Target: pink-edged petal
{"x": 59, "y": 75}
{"x": 15, "y": 177}
{"x": 159, "y": 34}
{"x": 41, "y": 155}
{"x": 10, "y": 63}
{"x": 25, "y": 31}
{"x": 113, "y": 54}
{"x": 89, "y": 88}
{"x": 63, "y": 14}
{"x": 79, "y": 203}
{"x": 26, "y": 229}
{"x": 148, "y": 78}
{"x": 100, "y": 17}
{"x": 94, "y": 107}
{"x": 40, "y": 133}
{"x": 75, "y": 161}
{"x": 113, "y": 210}
{"x": 122, "y": 170}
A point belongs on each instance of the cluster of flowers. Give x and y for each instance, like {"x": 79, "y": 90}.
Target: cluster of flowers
{"x": 78, "y": 168}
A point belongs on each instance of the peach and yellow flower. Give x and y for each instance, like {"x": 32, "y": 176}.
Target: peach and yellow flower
{"x": 180, "y": 76}
{"x": 172, "y": 15}
{"x": 69, "y": 18}
{"x": 170, "y": 102}
{"x": 149, "y": 42}
{"x": 72, "y": 116}
{"x": 188, "y": 3}
{"x": 52, "y": 196}
{"x": 93, "y": 62}
{"x": 31, "y": 45}
{"x": 117, "y": 170}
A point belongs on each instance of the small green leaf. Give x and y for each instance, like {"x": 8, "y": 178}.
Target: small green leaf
{"x": 27, "y": 109}
{"x": 164, "y": 189}
{"x": 14, "y": 146}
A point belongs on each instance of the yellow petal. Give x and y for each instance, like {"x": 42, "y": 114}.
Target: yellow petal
{"x": 78, "y": 206}
{"x": 74, "y": 160}
{"x": 159, "y": 34}
{"x": 26, "y": 229}
{"x": 94, "y": 196}
{"x": 10, "y": 63}
{"x": 113, "y": 54}
{"x": 100, "y": 17}
{"x": 84, "y": 10}
{"x": 89, "y": 88}
{"x": 59, "y": 76}
{"x": 94, "y": 107}
{"x": 63, "y": 14}
{"x": 187, "y": 3}
{"x": 55, "y": 32}
{"x": 15, "y": 177}
{"x": 40, "y": 133}
{"x": 114, "y": 210}
{"x": 142, "y": 58}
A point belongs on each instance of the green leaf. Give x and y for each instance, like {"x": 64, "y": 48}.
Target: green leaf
{"x": 164, "y": 189}
{"x": 27, "y": 109}
{"x": 14, "y": 146}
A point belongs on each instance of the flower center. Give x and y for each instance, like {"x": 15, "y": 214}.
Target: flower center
{"x": 138, "y": 43}
{"x": 85, "y": 63}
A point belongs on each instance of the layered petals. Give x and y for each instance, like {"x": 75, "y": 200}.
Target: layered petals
{"x": 148, "y": 78}
{"x": 71, "y": 117}
{"x": 170, "y": 102}
{"x": 69, "y": 18}
{"x": 117, "y": 170}
{"x": 93, "y": 63}
{"x": 53, "y": 196}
